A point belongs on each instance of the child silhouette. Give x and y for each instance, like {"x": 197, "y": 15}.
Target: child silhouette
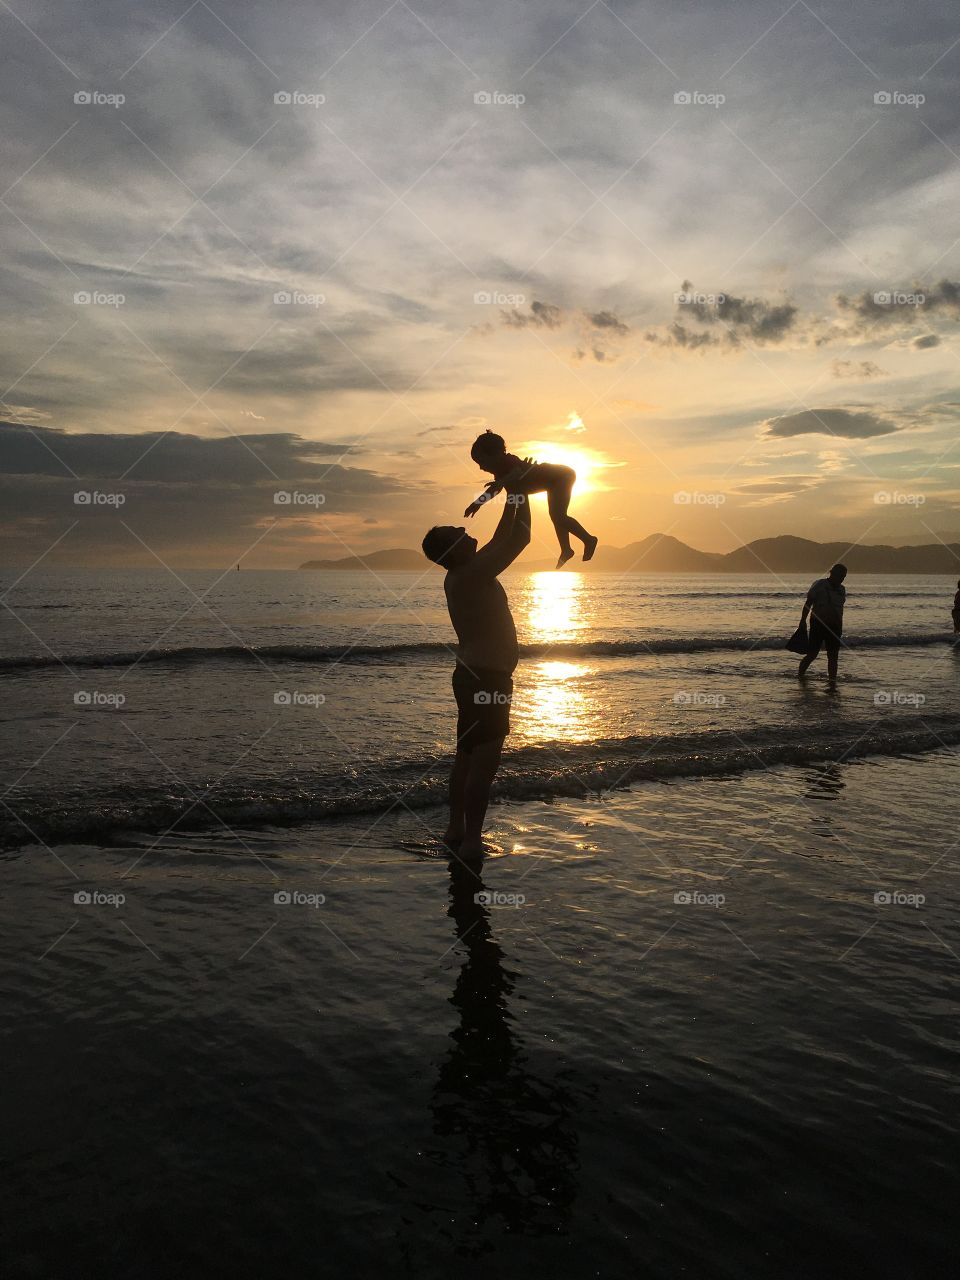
{"x": 489, "y": 452}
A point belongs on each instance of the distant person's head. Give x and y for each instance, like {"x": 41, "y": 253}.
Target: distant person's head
{"x": 448, "y": 546}
{"x": 488, "y": 448}
{"x": 837, "y": 574}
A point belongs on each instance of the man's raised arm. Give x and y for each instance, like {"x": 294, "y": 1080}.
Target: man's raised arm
{"x": 512, "y": 534}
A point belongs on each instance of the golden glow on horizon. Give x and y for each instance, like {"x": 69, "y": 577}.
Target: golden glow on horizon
{"x": 587, "y": 463}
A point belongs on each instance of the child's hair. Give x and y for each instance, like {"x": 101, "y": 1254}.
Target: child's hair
{"x": 487, "y": 444}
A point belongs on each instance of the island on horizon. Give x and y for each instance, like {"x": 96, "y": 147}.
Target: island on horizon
{"x": 660, "y": 553}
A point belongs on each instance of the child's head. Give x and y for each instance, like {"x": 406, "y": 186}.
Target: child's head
{"x": 487, "y": 448}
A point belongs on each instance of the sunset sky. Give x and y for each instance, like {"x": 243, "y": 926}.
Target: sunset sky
{"x": 736, "y": 314}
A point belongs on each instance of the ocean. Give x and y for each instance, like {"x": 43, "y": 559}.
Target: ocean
{"x": 697, "y": 1015}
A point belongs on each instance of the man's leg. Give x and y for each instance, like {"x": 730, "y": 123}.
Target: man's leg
{"x": 484, "y": 760}
{"x": 815, "y": 643}
{"x": 833, "y": 657}
{"x": 458, "y": 785}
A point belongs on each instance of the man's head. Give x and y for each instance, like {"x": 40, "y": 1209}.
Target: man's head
{"x": 487, "y": 448}
{"x": 837, "y": 574}
{"x": 448, "y": 546}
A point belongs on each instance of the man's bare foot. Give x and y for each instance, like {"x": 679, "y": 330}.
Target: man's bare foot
{"x": 565, "y": 555}
{"x": 589, "y": 547}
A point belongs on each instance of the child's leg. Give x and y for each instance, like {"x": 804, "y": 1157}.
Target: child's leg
{"x": 558, "y": 500}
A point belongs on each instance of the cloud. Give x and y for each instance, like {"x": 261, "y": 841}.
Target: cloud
{"x": 852, "y": 424}
{"x": 542, "y": 315}
{"x": 856, "y": 369}
{"x": 901, "y": 306}
{"x": 772, "y": 485}
{"x": 187, "y": 497}
{"x": 727, "y": 321}
{"x": 607, "y": 320}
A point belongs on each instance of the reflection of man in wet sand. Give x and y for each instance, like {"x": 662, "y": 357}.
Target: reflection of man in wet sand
{"x": 486, "y": 657}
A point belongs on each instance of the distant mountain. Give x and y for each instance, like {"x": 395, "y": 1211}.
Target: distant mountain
{"x": 395, "y": 558}
{"x": 660, "y": 553}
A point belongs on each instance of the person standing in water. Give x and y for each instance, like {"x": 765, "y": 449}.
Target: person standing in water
{"x": 955, "y": 612}
{"x": 487, "y": 655}
{"x": 824, "y": 602}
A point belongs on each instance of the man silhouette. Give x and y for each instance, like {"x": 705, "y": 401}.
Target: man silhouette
{"x": 487, "y": 655}
{"x": 824, "y": 602}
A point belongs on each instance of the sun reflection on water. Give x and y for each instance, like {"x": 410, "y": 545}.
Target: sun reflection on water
{"x": 554, "y": 703}
{"x": 555, "y": 607}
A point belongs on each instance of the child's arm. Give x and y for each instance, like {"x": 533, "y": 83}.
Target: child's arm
{"x": 489, "y": 491}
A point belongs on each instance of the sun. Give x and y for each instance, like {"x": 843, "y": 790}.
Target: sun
{"x": 587, "y": 463}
